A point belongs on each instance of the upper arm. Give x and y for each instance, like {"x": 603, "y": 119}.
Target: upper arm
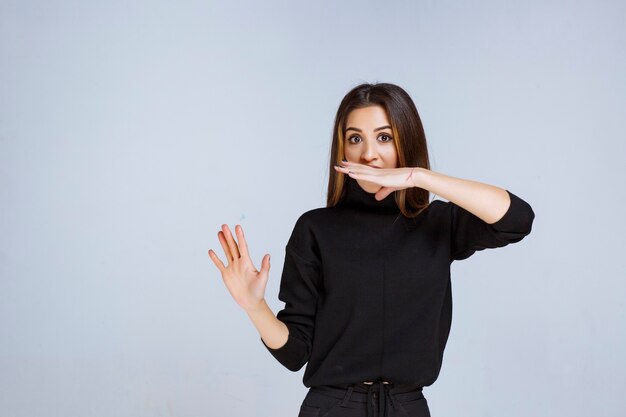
{"x": 299, "y": 290}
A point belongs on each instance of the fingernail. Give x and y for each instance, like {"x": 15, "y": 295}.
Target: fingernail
{"x": 344, "y": 160}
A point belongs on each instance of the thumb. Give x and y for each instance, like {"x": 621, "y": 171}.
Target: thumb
{"x": 265, "y": 264}
{"x": 383, "y": 192}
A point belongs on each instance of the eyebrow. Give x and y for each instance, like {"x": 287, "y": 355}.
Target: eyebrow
{"x": 375, "y": 130}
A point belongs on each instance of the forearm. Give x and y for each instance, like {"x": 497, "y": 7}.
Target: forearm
{"x": 273, "y": 331}
{"x": 485, "y": 201}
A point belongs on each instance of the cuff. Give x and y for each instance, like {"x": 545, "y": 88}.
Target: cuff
{"x": 518, "y": 218}
{"x": 292, "y": 354}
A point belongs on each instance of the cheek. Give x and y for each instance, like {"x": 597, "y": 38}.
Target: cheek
{"x": 350, "y": 154}
{"x": 392, "y": 158}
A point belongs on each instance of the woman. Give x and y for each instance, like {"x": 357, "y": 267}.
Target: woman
{"x": 366, "y": 280}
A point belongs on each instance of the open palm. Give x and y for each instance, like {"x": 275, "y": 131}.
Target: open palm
{"x": 245, "y": 283}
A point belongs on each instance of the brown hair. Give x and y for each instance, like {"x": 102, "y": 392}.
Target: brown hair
{"x": 408, "y": 135}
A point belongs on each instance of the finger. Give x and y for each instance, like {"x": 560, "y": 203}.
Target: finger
{"x": 352, "y": 169}
{"x": 243, "y": 245}
{"x": 341, "y": 169}
{"x": 222, "y": 239}
{"x": 362, "y": 176}
{"x": 357, "y": 169}
{"x": 216, "y": 260}
{"x": 363, "y": 169}
{"x": 231, "y": 242}
{"x": 265, "y": 264}
{"x": 355, "y": 165}
{"x": 383, "y": 193}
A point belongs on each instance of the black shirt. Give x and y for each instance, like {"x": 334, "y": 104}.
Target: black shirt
{"x": 367, "y": 291}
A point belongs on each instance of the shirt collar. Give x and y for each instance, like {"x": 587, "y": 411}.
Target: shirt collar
{"x": 355, "y": 196}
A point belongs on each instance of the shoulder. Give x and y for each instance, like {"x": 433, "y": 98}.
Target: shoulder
{"x": 436, "y": 215}
{"x": 444, "y": 208}
{"x": 439, "y": 204}
{"x": 437, "y": 209}
{"x": 304, "y": 239}
{"x": 313, "y": 217}
{"x": 309, "y": 223}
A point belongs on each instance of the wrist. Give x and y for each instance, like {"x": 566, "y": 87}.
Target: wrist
{"x": 415, "y": 175}
{"x": 257, "y": 307}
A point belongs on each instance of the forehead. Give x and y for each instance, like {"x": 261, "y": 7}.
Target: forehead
{"x": 369, "y": 118}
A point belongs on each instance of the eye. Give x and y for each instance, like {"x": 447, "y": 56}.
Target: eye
{"x": 353, "y": 137}
{"x": 389, "y": 138}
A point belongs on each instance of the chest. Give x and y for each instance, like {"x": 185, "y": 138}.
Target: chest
{"x": 363, "y": 256}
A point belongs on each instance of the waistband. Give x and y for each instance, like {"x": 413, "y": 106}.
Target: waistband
{"x": 387, "y": 394}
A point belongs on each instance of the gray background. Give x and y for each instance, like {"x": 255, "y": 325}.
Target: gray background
{"x": 130, "y": 131}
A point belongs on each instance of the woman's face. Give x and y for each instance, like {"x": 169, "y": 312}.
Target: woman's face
{"x": 369, "y": 141}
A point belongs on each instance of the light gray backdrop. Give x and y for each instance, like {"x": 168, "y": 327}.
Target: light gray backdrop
{"x": 131, "y": 130}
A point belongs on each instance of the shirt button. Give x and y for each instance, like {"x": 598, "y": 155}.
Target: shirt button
{"x": 375, "y": 395}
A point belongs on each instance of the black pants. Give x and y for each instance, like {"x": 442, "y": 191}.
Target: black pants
{"x": 363, "y": 400}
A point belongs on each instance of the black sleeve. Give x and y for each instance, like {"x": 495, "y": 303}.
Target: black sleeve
{"x": 471, "y": 234}
{"x": 299, "y": 286}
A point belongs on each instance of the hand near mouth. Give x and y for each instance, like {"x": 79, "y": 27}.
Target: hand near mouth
{"x": 390, "y": 179}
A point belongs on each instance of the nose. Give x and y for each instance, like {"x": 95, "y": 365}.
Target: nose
{"x": 368, "y": 153}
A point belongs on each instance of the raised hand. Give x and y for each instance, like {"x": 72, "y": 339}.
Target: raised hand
{"x": 245, "y": 283}
{"x": 390, "y": 179}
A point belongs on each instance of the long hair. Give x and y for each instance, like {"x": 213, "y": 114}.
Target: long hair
{"x": 408, "y": 134}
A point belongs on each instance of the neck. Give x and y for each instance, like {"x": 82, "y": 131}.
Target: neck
{"x": 357, "y": 197}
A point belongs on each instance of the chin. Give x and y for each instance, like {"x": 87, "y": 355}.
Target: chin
{"x": 370, "y": 187}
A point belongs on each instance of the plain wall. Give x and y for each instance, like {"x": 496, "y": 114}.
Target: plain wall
{"x": 130, "y": 131}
